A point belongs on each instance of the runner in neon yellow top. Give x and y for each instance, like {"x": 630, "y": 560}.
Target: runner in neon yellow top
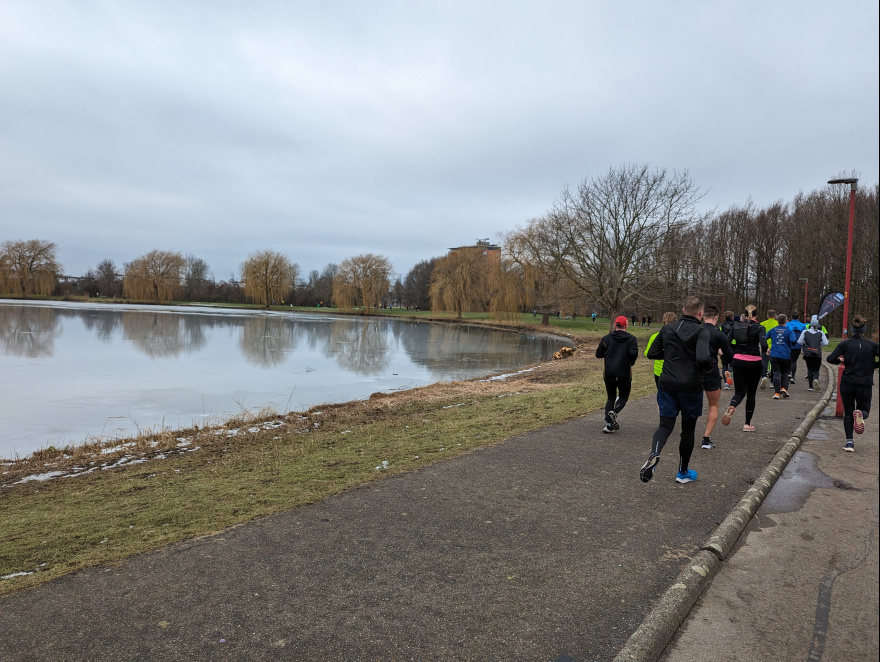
{"x": 768, "y": 324}
{"x": 658, "y": 365}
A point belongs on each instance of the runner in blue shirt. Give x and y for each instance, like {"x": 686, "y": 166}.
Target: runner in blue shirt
{"x": 795, "y": 326}
{"x": 780, "y": 357}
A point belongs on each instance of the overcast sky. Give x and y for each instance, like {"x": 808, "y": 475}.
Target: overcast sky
{"x": 324, "y": 129}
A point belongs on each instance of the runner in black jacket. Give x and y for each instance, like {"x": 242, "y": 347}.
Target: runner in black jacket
{"x": 620, "y": 351}
{"x": 860, "y": 358}
{"x": 718, "y": 346}
{"x": 684, "y": 348}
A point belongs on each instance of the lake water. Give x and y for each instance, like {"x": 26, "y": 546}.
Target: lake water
{"x": 74, "y": 371}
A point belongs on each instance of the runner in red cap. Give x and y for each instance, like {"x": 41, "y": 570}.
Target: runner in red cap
{"x": 620, "y": 350}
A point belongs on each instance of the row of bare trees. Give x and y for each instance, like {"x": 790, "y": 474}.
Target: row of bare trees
{"x": 630, "y": 241}
{"x": 633, "y": 241}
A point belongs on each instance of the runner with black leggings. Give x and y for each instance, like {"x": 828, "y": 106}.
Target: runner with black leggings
{"x": 712, "y": 380}
{"x": 619, "y": 351}
{"x": 749, "y": 343}
{"x": 860, "y": 358}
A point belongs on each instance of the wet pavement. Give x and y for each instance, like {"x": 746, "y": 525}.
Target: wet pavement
{"x": 802, "y": 583}
{"x": 544, "y": 547}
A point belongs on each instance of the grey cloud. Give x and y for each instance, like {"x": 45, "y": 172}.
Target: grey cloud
{"x": 329, "y": 129}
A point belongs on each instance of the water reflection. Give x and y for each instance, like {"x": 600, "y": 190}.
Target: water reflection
{"x": 359, "y": 346}
{"x": 104, "y": 324}
{"x": 82, "y": 369}
{"x": 266, "y": 341}
{"x": 28, "y": 333}
{"x": 163, "y": 334}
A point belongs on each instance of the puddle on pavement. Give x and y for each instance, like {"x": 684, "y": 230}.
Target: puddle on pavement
{"x": 800, "y": 478}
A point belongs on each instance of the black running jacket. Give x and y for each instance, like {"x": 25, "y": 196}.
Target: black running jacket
{"x": 683, "y": 346}
{"x": 620, "y": 351}
{"x": 859, "y": 360}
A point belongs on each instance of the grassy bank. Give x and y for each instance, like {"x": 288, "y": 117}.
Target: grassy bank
{"x": 168, "y": 490}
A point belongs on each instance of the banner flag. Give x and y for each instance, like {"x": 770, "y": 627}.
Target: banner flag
{"x": 830, "y": 303}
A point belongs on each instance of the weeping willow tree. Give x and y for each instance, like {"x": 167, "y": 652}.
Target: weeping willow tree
{"x": 268, "y": 276}
{"x": 362, "y": 280}
{"x": 28, "y": 267}
{"x": 507, "y": 289}
{"x": 460, "y": 282}
{"x": 155, "y": 276}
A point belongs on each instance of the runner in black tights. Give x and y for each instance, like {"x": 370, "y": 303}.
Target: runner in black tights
{"x": 619, "y": 351}
{"x": 860, "y": 358}
{"x": 748, "y": 368}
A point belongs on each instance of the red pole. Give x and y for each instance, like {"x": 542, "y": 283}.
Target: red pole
{"x": 806, "y": 284}
{"x": 838, "y": 410}
{"x": 849, "y": 247}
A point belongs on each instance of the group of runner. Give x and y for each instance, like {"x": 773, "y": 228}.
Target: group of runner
{"x": 686, "y": 351}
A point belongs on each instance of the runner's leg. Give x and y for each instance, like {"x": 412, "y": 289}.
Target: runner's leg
{"x": 611, "y": 392}
{"x": 714, "y": 397}
{"x": 624, "y": 388}
{"x": 777, "y": 374}
{"x": 754, "y": 374}
{"x": 847, "y": 395}
{"x": 686, "y": 443}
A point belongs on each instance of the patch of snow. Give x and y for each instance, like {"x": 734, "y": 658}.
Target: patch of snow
{"x": 496, "y": 378}
{"x": 115, "y": 449}
{"x": 40, "y": 477}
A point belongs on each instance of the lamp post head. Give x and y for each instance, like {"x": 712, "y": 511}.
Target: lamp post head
{"x": 852, "y": 181}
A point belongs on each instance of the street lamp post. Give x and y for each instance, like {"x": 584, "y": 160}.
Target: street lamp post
{"x": 852, "y": 181}
{"x": 806, "y": 283}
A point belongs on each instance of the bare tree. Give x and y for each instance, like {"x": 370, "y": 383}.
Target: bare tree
{"x": 545, "y": 287}
{"x": 397, "y": 292}
{"x": 196, "y": 276}
{"x": 417, "y": 284}
{"x": 28, "y": 267}
{"x": 605, "y": 237}
{"x": 155, "y": 275}
{"x": 268, "y": 276}
{"x": 362, "y": 280}
{"x": 107, "y": 278}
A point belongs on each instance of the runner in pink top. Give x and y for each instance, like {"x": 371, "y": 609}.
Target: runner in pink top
{"x": 749, "y": 341}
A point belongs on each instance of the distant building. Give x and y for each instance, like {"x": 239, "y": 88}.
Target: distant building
{"x": 489, "y": 250}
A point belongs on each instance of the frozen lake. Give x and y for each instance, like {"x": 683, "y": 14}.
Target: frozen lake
{"x": 74, "y": 371}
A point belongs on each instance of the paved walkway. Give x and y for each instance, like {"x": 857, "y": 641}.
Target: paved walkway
{"x": 803, "y": 582}
{"x": 544, "y": 547}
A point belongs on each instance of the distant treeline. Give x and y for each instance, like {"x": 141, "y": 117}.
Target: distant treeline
{"x": 628, "y": 242}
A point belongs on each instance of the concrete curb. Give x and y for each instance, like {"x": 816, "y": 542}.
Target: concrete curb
{"x": 649, "y": 640}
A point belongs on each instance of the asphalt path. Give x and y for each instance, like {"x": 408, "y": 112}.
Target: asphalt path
{"x": 544, "y": 547}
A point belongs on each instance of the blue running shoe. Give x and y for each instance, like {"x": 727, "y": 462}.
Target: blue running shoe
{"x": 688, "y": 476}
{"x": 646, "y": 473}
{"x": 849, "y": 446}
